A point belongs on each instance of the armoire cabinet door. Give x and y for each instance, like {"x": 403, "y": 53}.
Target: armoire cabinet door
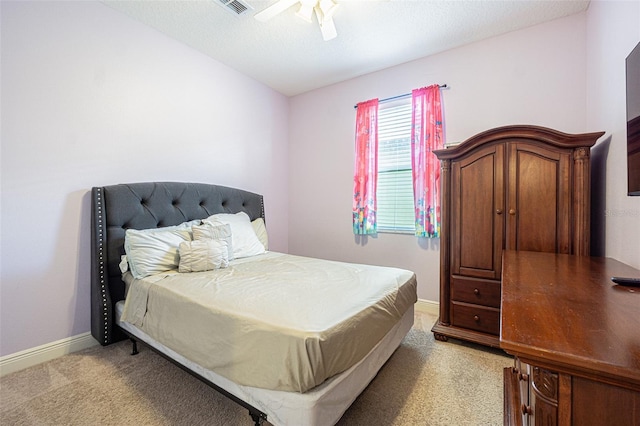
{"x": 477, "y": 209}
{"x": 538, "y": 209}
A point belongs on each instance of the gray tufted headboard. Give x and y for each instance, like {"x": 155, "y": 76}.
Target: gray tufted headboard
{"x": 146, "y": 205}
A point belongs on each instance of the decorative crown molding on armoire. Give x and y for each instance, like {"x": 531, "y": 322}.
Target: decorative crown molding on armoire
{"x": 514, "y": 187}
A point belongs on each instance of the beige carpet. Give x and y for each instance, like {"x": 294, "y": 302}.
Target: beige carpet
{"x": 424, "y": 383}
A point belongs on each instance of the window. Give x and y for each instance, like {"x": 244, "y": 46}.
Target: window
{"x": 395, "y": 183}
{"x": 395, "y": 160}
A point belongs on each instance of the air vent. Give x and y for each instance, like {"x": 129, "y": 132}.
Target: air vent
{"x": 236, "y": 7}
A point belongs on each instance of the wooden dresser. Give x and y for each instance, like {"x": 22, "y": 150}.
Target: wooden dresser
{"x": 514, "y": 187}
{"x": 576, "y": 339}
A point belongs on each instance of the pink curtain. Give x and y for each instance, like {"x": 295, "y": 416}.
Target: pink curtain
{"x": 426, "y": 136}
{"x": 366, "y": 168}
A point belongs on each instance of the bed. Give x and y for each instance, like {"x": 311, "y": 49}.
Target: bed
{"x": 294, "y": 340}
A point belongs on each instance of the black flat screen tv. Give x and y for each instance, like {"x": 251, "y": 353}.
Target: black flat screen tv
{"x": 633, "y": 121}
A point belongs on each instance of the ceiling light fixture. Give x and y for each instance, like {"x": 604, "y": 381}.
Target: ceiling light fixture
{"x": 306, "y": 9}
{"x": 324, "y": 11}
{"x": 328, "y": 8}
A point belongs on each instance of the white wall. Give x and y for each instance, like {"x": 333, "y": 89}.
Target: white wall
{"x": 533, "y": 76}
{"x": 613, "y": 30}
{"x": 91, "y": 97}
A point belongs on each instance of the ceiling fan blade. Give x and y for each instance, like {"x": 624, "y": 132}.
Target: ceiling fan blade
{"x": 274, "y": 9}
{"x": 328, "y": 29}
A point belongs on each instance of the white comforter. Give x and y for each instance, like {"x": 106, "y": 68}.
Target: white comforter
{"x": 273, "y": 321}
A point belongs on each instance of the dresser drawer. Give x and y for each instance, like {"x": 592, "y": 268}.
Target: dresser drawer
{"x": 476, "y": 291}
{"x": 475, "y": 317}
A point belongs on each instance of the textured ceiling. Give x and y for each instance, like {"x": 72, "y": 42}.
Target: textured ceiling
{"x": 289, "y": 55}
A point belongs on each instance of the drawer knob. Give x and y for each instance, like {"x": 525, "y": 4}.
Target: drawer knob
{"x": 476, "y": 318}
{"x": 476, "y": 291}
{"x": 512, "y": 212}
{"x": 526, "y": 409}
{"x": 499, "y": 211}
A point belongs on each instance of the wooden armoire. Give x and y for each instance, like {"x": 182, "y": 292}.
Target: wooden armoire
{"x": 514, "y": 187}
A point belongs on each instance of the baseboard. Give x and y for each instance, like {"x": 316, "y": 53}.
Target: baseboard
{"x": 427, "y": 307}
{"x": 30, "y": 357}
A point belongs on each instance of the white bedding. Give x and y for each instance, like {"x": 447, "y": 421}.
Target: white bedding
{"x": 281, "y": 322}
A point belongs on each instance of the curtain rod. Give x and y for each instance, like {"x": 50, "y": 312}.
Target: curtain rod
{"x": 442, "y": 86}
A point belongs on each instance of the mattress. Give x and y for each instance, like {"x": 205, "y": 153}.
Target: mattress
{"x": 321, "y": 406}
{"x": 273, "y": 321}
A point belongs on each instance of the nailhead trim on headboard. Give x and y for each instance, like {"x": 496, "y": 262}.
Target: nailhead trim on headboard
{"x": 101, "y": 261}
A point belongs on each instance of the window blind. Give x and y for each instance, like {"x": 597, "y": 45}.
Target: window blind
{"x": 395, "y": 182}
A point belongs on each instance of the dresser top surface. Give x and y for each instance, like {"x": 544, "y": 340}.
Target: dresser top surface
{"x": 565, "y": 310}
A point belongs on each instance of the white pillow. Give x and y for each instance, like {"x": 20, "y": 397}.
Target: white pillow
{"x": 209, "y": 231}
{"x": 261, "y": 232}
{"x": 150, "y": 251}
{"x": 202, "y": 255}
{"x": 124, "y": 264}
{"x": 243, "y": 237}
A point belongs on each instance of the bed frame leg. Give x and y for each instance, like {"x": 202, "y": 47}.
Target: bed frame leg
{"x": 134, "y": 350}
{"x": 258, "y": 418}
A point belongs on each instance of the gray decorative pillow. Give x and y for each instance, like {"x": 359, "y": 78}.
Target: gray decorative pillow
{"x": 202, "y": 255}
{"x": 209, "y": 231}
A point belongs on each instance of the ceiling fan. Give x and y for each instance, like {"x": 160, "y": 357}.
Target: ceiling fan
{"x": 324, "y": 10}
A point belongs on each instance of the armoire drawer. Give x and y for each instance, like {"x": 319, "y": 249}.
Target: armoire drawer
{"x": 476, "y": 291}
{"x": 475, "y": 317}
